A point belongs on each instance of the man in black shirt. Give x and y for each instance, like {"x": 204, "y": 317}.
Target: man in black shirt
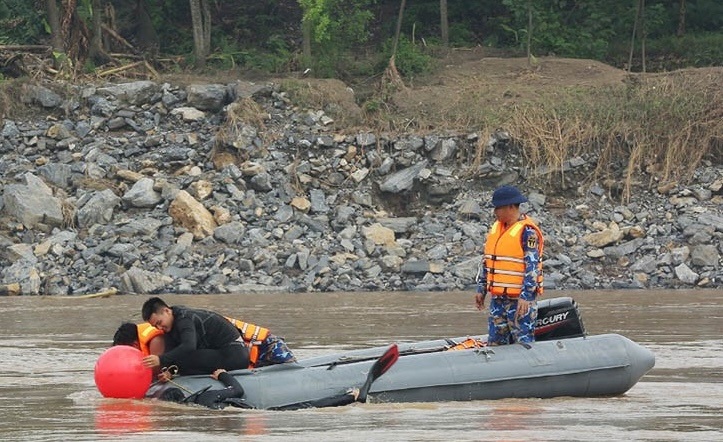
{"x": 197, "y": 341}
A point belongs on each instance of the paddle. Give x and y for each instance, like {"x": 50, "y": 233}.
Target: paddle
{"x": 408, "y": 352}
{"x": 380, "y": 367}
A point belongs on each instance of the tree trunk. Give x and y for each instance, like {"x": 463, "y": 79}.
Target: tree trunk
{"x": 529, "y": 33}
{"x": 306, "y": 43}
{"x": 681, "y": 19}
{"x": 56, "y": 38}
{"x": 632, "y": 39}
{"x": 69, "y": 34}
{"x": 206, "y": 9}
{"x": 391, "y": 80}
{"x": 201, "y": 18}
{"x": 444, "y": 22}
{"x": 97, "y": 52}
{"x": 643, "y": 31}
{"x": 144, "y": 35}
{"x": 398, "y": 32}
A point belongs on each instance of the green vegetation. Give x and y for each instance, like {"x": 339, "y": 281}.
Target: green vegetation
{"x": 21, "y": 24}
{"x": 410, "y": 59}
{"x": 341, "y": 32}
{"x": 651, "y": 122}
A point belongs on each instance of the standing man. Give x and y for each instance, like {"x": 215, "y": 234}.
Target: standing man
{"x": 511, "y": 271}
{"x": 197, "y": 341}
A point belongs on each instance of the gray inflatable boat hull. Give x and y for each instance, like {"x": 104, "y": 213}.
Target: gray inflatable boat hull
{"x": 600, "y": 365}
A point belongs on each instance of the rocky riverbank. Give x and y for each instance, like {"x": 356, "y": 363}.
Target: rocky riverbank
{"x": 214, "y": 188}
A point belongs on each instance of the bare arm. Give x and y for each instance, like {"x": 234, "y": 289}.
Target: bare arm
{"x": 157, "y": 345}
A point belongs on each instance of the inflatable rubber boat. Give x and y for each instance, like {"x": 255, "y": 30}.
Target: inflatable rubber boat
{"x": 563, "y": 361}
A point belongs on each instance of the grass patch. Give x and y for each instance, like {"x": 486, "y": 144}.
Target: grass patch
{"x": 662, "y": 125}
{"x": 334, "y": 97}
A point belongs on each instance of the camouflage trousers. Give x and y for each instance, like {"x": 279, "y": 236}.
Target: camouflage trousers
{"x": 504, "y": 325}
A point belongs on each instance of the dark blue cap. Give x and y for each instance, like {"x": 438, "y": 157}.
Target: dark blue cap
{"x": 506, "y": 195}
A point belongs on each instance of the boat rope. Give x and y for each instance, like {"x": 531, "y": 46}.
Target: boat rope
{"x": 169, "y": 373}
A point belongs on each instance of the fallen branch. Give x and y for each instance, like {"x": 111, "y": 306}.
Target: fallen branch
{"x": 120, "y": 69}
{"x": 151, "y": 70}
{"x": 102, "y": 294}
{"x": 126, "y": 55}
{"x": 117, "y": 36}
{"x": 28, "y": 48}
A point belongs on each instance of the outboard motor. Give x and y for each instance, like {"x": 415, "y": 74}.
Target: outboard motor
{"x": 558, "y": 318}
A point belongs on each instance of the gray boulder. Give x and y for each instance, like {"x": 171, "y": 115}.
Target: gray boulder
{"x": 32, "y": 204}
{"x": 98, "y": 209}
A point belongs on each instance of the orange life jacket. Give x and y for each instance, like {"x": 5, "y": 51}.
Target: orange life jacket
{"x": 468, "y": 343}
{"x": 253, "y": 335}
{"x": 146, "y": 332}
{"x": 504, "y": 259}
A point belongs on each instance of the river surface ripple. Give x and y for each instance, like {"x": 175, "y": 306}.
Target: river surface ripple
{"x": 49, "y": 347}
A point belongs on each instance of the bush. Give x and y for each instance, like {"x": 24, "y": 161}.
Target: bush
{"x": 410, "y": 59}
{"x": 664, "y": 124}
{"x": 690, "y": 50}
{"x": 21, "y": 23}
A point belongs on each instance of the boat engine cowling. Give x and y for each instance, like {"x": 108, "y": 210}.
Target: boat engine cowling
{"x": 558, "y": 318}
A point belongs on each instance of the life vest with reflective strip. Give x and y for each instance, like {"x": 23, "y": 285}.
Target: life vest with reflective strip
{"x": 252, "y": 335}
{"x": 468, "y": 343}
{"x": 146, "y": 332}
{"x": 504, "y": 259}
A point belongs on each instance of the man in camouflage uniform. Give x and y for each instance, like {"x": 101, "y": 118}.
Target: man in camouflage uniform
{"x": 511, "y": 271}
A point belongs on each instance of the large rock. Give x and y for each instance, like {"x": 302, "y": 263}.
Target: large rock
{"x": 142, "y": 194}
{"x": 705, "y": 255}
{"x": 467, "y": 269}
{"x": 422, "y": 266}
{"x": 610, "y": 235}
{"x": 25, "y": 274}
{"x": 17, "y": 252}
{"x": 209, "y": 97}
{"x": 189, "y": 113}
{"x": 192, "y": 215}
{"x": 141, "y": 281}
{"x": 685, "y": 274}
{"x": 404, "y": 179}
{"x": 231, "y": 233}
{"x": 398, "y": 225}
{"x": 444, "y": 150}
{"x": 379, "y": 234}
{"x": 318, "y": 201}
{"x": 135, "y": 92}
{"x": 32, "y": 204}
{"x": 41, "y": 95}
{"x": 98, "y": 209}
{"x": 57, "y": 174}
{"x": 246, "y": 89}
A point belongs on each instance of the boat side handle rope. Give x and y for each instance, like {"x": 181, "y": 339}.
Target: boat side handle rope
{"x": 172, "y": 371}
{"x": 486, "y": 351}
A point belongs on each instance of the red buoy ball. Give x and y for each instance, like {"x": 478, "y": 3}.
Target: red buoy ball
{"x": 119, "y": 373}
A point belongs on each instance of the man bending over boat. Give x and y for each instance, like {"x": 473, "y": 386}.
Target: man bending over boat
{"x": 511, "y": 271}
{"x": 264, "y": 347}
{"x": 197, "y": 341}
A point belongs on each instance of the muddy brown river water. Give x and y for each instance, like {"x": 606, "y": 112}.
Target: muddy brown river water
{"x": 49, "y": 345}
